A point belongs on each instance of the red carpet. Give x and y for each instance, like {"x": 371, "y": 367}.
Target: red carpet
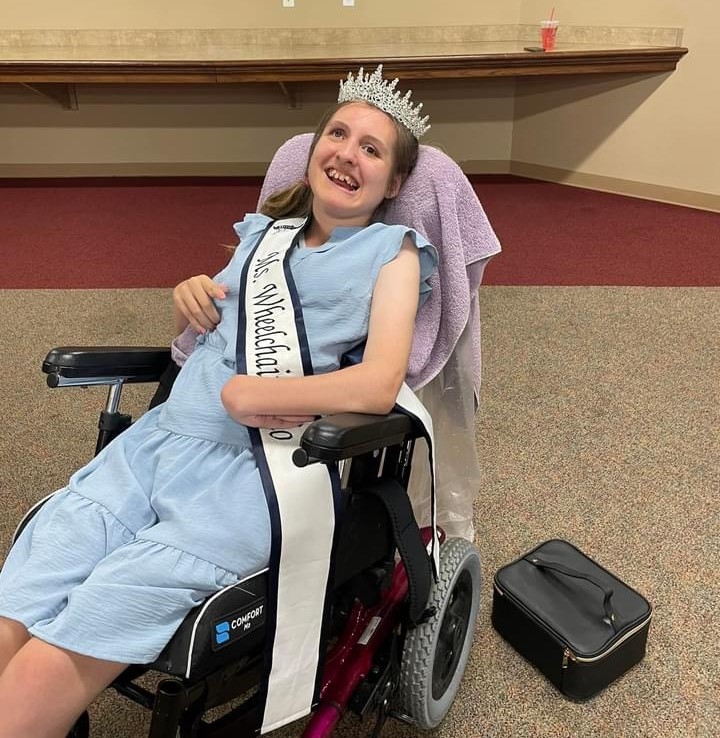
{"x": 110, "y": 233}
{"x": 559, "y": 235}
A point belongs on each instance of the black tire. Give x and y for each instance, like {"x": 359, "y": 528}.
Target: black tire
{"x": 436, "y": 652}
{"x": 81, "y": 729}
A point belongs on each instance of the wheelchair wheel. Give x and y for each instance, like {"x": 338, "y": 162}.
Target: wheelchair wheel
{"x": 81, "y": 729}
{"x": 436, "y": 652}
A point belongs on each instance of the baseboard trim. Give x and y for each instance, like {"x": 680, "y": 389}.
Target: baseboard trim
{"x": 485, "y": 166}
{"x": 615, "y": 185}
{"x": 191, "y": 169}
{"x": 136, "y": 169}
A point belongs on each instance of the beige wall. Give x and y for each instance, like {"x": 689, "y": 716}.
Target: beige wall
{"x": 22, "y": 14}
{"x": 232, "y": 129}
{"x": 611, "y": 12}
{"x": 210, "y": 130}
{"x": 662, "y": 130}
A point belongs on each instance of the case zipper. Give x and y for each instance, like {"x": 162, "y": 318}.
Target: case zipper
{"x": 568, "y": 655}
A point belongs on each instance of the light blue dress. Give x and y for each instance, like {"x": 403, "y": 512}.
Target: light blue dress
{"x": 173, "y": 509}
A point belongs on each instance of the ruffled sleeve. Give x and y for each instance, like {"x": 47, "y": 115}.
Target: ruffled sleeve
{"x": 253, "y": 224}
{"x": 248, "y": 230}
{"x": 427, "y": 252}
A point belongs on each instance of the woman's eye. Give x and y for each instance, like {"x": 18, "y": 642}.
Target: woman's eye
{"x": 336, "y": 133}
{"x": 371, "y": 150}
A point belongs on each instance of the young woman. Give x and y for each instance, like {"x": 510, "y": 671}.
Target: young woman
{"x": 173, "y": 510}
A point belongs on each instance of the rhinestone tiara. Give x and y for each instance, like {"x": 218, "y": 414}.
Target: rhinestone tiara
{"x": 372, "y": 88}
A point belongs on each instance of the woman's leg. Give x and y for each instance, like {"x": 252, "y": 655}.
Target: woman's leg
{"x": 13, "y": 636}
{"x": 44, "y": 689}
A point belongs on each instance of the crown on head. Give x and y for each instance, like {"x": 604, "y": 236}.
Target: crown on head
{"x": 372, "y": 88}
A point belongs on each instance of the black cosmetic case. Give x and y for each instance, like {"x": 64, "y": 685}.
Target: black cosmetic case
{"x": 578, "y": 623}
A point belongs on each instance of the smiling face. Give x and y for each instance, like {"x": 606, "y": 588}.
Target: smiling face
{"x": 351, "y": 169}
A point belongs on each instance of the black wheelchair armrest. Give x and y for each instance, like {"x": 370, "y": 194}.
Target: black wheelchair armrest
{"x": 88, "y": 365}
{"x": 330, "y": 438}
{"x": 343, "y": 436}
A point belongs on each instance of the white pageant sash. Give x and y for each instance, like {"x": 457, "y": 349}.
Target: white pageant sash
{"x": 302, "y": 502}
{"x": 272, "y": 336}
{"x": 408, "y": 402}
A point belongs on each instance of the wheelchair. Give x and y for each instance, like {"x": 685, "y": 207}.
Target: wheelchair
{"x": 379, "y": 662}
{"x": 398, "y": 643}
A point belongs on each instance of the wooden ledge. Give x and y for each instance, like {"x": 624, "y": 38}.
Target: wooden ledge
{"x": 446, "y": 66}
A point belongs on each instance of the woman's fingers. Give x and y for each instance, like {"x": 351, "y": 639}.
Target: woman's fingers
{"x": 194, "y": 299}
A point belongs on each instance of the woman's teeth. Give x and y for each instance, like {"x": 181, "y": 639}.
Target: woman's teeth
{"x": 342, "y": 179}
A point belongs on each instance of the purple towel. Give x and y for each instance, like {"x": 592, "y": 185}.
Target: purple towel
{"x": 438, "y": 201}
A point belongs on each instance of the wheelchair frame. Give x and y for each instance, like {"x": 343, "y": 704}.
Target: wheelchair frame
{"x": 362, "y": 668}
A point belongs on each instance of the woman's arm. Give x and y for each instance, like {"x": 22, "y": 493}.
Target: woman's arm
{"x": 369, "y": 387}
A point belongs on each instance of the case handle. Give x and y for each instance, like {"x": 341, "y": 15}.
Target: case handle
{"x": 562, "y": 569}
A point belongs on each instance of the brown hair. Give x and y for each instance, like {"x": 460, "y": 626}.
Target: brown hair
{"x": 296, "y": 201}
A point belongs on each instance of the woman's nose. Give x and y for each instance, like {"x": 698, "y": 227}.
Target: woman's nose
{"x": 348, "y": 151}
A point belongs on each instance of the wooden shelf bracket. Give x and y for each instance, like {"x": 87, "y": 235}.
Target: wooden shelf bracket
{"x": 64, "y": 94}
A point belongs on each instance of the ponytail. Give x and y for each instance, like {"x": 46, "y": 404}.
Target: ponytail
{"x": 292, "y": 202}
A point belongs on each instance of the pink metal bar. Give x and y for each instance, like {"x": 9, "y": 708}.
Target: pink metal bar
{"x": 349, "y": 661}
{"x": 339, "y": 653}
{"x": 358, "y": 661}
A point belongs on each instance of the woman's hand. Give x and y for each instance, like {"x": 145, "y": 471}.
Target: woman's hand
{"x": 193, "y": 300}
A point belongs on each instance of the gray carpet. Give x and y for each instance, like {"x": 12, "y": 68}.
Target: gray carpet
{"x": 599, "y": 424}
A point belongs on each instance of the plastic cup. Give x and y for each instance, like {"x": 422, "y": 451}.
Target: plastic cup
{"x": 548, "y": 32}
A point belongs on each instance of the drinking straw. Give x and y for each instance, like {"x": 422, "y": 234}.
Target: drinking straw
{"x": 552, "y": 13}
